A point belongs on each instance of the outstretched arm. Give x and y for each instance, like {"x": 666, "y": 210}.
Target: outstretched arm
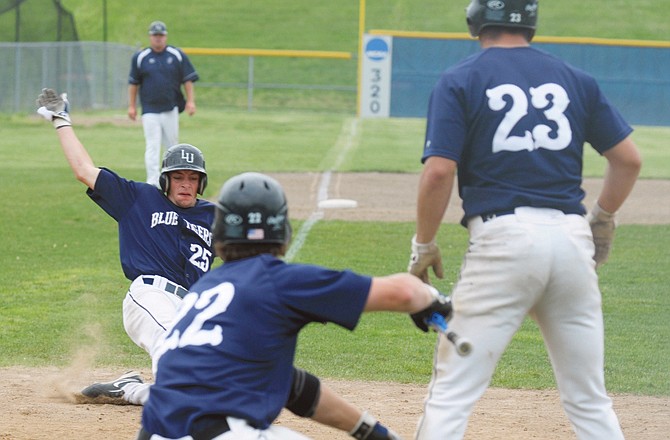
{"x": 77, "y": 156}
{"x": 54, "y": 108}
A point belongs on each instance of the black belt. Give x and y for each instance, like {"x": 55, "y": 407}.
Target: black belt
{"x": 220, "y": 426}
{"x": 491, "y": 215}
{"x": 169, "y": 287}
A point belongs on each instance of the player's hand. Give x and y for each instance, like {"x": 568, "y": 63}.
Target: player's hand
{"x": 368, "y": 428}
{"x": 190, "y": 108}
{"x": 602, "y": 224}
{"x": 54, "y": 108}
{"x": 441, "y": 304}
{"x": 424, "y": 256}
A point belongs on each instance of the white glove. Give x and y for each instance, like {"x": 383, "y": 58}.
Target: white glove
{"x": 54, "y": 108}
{"x": 424, "y": 256}
{"x": 602, "y": 227}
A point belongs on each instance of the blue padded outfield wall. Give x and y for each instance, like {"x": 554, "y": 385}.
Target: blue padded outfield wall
{"x": 635, "y": 78}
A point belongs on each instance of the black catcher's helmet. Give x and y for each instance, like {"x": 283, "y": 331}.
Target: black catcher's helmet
{"x": 183, "y": 157}
{"x": 510, "y": 13}
{"x": 251, "y": 208}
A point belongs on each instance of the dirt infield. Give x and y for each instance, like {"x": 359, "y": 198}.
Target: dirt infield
{"x": 40, "y": 403}
{"x": 392, "y": 197}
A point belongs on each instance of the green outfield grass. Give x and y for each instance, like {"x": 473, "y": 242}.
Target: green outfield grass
{"x": 62, "y": 285}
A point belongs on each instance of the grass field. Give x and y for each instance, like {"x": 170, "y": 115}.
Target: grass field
{"x": 61, "y": 283}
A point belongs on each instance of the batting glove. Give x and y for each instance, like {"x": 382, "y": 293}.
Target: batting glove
{"x": 424, "y": 256}
{"x": 441, "y": 304}
{"x": 54, "y": 108}
{"x": 368, "y": 428}
{"x": 602, "y": 224}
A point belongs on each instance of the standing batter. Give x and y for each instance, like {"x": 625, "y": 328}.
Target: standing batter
{"x": 224, "y": 368}
{"x": 159, "y": 71}
{"x": 513, "y": 121}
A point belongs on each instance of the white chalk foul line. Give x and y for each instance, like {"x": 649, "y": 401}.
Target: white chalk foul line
{"x": 298, "y": 241}
{"x": 315, "y": 216}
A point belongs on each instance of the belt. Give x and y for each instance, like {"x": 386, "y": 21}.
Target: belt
{"x": 492, "y": 215}
{"x": 169, "y": 286}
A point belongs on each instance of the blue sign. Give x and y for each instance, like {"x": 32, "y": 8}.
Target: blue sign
{"x": 376, "y": 49}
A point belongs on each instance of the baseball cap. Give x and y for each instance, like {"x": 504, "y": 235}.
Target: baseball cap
{"x": 157, "y": 28}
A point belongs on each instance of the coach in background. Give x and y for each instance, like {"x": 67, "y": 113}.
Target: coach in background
{"x": 512, "y": 121}
{"x": 159, "y": 71}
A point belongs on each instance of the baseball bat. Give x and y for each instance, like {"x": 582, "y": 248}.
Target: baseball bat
{"x": 439, "y": 324}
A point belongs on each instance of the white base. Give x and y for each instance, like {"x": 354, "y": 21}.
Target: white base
{"x": 338, "y": 203}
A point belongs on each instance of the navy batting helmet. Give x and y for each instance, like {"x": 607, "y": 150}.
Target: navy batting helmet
{"x": 251, "y": 208}
{"x": 183, "y": 157}
{"x": 509, "y": 13}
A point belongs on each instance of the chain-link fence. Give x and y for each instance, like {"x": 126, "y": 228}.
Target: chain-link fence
{"x": 94, "y": 74}
{"x": 23, "y": 21}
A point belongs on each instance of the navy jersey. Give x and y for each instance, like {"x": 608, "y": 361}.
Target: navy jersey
{"x": 156, "y": 237}
{"x": 231, "y": 349}
{"x": 160, "y": 76}
{"x": 515, "y": 120}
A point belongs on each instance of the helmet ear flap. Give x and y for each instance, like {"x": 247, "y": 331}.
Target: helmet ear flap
{"x": 288, "y": 232}
{"x": 164, "y": 182}
{"x": 203, "y": 183}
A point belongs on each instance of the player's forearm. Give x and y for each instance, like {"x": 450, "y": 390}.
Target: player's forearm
{"x": 435, "y": 186}
{"x": 334, "y": 411}
{"x": 77, "y": 157}
{"x": 401, "y": 292}
{"x": 132, "y": 95}
{"x": 190, "y": 91}
{"x": 623, "y": 168}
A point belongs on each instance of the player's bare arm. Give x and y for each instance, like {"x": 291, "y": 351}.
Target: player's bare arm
{"x": 132, "y": 101}
{"x": 623, "y": 167}
{"x": 435, "y": 186}
{"x": 54, "y": 108}
{"x": 401, "y": 292}
{"x": 80, "y": 161}
{"x": 190, "y": 98}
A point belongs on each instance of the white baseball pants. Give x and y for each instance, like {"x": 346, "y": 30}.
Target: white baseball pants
{"x": 535, "y": 262}
{"x": 160, "y": 129}
{"x": 148, "y": 310}
{"x": 240, "y": 430}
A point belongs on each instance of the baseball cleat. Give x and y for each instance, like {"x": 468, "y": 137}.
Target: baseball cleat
{"x": 113, "y": 389}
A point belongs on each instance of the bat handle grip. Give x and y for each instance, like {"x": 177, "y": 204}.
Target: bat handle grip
{"x": 439, "y": 324}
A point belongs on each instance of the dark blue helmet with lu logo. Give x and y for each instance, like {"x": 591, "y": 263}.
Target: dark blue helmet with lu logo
{"x": 183, "y": 157}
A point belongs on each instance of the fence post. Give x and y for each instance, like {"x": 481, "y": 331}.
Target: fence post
{"x": 17, "y": 78}
{"x": 250, "y": 84}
